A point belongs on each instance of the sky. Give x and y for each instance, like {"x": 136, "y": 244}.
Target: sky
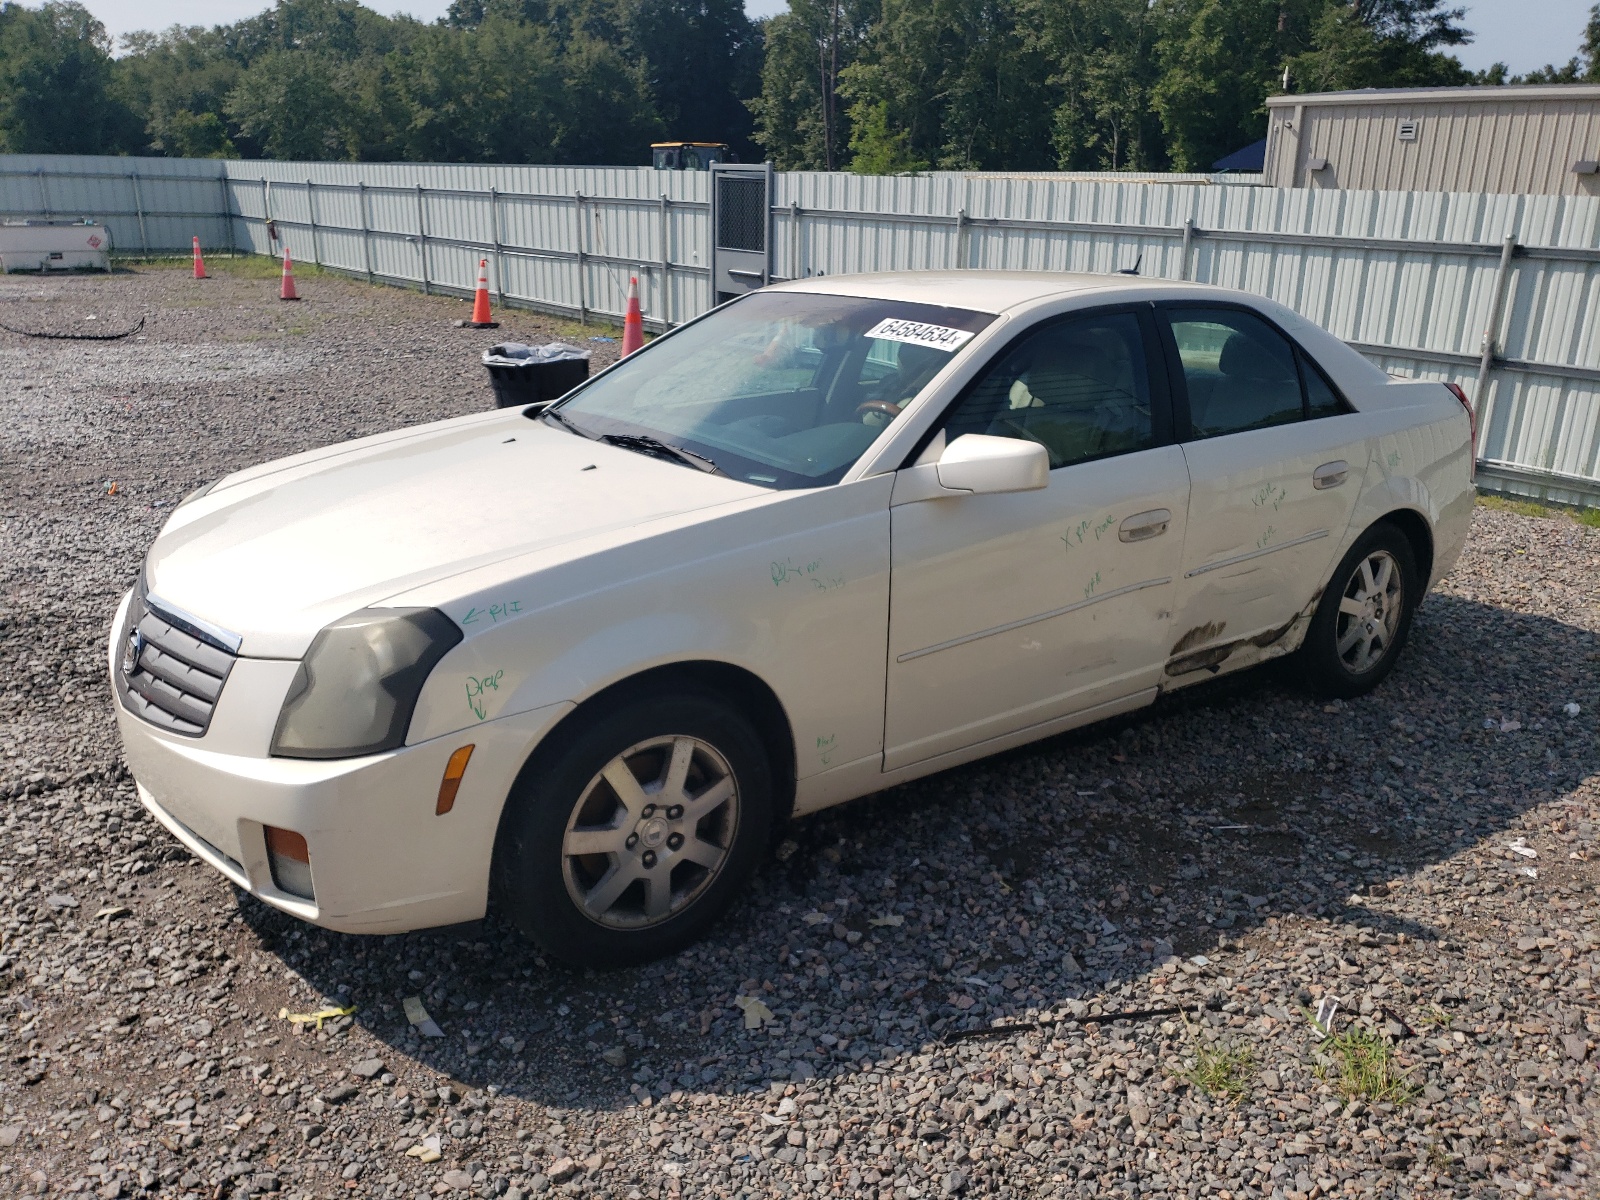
{"x": 1506, "y": 30}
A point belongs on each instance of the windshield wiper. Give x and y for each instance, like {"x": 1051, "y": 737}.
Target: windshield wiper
{"x": 645, "y": 444}
{"x": 557, "y": 415}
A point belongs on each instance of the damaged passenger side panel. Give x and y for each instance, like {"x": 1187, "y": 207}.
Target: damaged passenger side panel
{"x": 1186, "y": 666}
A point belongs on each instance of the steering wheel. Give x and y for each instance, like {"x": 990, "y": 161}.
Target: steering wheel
{"x": 887, "y": 409}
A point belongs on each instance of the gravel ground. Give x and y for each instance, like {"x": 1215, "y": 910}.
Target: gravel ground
{"x": 919, "y": 996}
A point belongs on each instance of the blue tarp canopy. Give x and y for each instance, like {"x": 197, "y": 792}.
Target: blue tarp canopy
{"x": 1252, "y": 158}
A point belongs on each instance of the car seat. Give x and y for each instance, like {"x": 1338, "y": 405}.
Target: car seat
{"x": 1075, "y": 398}
{"x": 1257, "y": 386}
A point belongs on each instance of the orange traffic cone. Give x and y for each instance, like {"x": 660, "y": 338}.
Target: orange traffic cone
{"x": 480, "y": 300}
{"x": 633, "y": 323}
{"x": 287, "y": 292}
{"x": 199, "y": 263}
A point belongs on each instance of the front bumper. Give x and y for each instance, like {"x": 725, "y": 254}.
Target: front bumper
{"x": 382, "y": 861}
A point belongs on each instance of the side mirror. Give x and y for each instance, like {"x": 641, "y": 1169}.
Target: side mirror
{"x": 982, "y": 464}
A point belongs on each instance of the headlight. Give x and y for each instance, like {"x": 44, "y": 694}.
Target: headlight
{"x": 358, "y": 684}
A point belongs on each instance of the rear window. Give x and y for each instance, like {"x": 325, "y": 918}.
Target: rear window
{"x": 1241, "y": 373}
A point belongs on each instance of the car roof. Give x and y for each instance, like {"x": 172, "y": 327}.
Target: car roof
{"x": 981, "y": 291}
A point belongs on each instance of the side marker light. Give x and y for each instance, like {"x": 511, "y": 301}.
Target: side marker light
{"x": 451, "y": 783}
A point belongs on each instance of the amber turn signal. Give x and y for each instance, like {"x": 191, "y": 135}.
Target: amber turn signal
{"x": 290, "y": 860}
{"x": 451, "y": 783}
{"x": 286, "y": 843}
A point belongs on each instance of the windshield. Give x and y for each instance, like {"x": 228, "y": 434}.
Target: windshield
{"x": 782, "y": 389}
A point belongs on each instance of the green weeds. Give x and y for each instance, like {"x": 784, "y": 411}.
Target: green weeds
{"x": 1222, "y": 1070}
{"x": 242, "y": 266}
{"x": 1435, "y": 1018}
{"x": 1361, "y": 1065}
{"x": 1529, "y": 508}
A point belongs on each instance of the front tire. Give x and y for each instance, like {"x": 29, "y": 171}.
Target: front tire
{"x": 637, "y": 834}
{"x": 1364, "y": 617}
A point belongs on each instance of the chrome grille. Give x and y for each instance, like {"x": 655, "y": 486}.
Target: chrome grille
{"x": 170, "y": 670}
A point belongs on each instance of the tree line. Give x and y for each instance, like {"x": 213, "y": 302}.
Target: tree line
{"x": 545, "y": 81}
{"x": 874, "y": 86}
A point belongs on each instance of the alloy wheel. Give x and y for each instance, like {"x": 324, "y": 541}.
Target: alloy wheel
{"x": 650, "y": 832}
{"x": 1369, "y": 612}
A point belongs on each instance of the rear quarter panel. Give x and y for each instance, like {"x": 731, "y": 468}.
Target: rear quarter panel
{"x": 1421, "y": 460}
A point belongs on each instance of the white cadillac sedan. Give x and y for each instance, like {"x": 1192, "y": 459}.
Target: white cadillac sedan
{"x": 829, "y": 537}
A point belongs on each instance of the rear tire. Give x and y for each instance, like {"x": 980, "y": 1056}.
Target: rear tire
{"x": 637, "y": 834}
{"x": 1364, "y": 617}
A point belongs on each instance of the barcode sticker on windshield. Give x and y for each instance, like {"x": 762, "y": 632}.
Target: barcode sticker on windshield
{"x": 935, "y": 337}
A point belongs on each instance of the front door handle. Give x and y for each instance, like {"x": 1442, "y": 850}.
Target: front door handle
{"x": 1330, "y": 475}
{"x": 1143, "y": 526}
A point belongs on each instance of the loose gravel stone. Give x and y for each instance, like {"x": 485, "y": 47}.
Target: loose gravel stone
{"x": 999, "y": 981}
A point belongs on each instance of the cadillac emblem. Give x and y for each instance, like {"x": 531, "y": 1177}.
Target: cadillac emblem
{"x": 131, "y": 650}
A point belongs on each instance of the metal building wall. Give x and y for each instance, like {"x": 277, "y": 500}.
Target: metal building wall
{"x": 1505, "y": 140}
{"x": 1412, "y": 279}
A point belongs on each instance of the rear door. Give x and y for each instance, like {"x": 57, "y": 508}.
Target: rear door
{"x": 1008, "y": 611}
{"x": 1275, "y": 458}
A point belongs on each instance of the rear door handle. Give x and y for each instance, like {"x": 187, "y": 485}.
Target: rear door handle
{"x": 1330, "y": 475}
{"x": 1143, "y": 526}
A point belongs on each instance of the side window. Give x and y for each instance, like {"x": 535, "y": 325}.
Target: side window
{"x": 1240, "y": 372}
{"x": 1078, "y": 387}
{"x": 1321, "y": 399}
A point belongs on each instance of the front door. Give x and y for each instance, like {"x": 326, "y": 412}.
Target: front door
{"x": 1275, "y": 460}
{"x": 1009, "y": 611}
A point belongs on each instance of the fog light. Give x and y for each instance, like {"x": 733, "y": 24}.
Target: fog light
{"x": 451, "y": 783}
{"x": 291, "y": 862}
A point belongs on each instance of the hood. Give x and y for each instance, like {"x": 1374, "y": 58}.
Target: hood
{"x": 274, "y": 553}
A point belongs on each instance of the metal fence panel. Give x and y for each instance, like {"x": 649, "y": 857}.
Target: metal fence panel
{"x": 1412, "y": 279}
{"x": 149, "y": 205}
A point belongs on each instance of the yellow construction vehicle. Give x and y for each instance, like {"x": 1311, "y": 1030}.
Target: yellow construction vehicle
{"x": 689, "y": 156}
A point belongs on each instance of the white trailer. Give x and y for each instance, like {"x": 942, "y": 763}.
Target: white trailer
{"x": 54, "y": 246}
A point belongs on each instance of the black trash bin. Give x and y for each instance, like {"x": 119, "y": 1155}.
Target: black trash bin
{"x": 534, "y": 374}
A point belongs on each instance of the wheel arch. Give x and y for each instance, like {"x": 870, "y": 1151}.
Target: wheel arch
{"x": 748, "y": 692}
{"x": 1419, "y": 533}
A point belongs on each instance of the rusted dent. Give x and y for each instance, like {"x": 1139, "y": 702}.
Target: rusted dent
{"x": 1199, "y": 636}
{"x": 1266, "y": 638}
{"x": 1201, "y": 660}
{"x": 1212, "y": 658}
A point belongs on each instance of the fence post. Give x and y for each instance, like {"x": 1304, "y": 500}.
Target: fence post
{"x": 1491, "y": 337}
{"x": 138, "y": 208}
{"x": 266, "y": 216}
{"x": 963, "y": 253}
{"x": 666, "y": 264}
{"x": 44, "y": 195}
{"x": 227, "y": 215}
{"x": 794, "y": 239}
{"x": 771, "y": 226}
{"x": 1188, "y": 240}
{"x": 499, "y": 260}
{"x": 311, "y": 209}
{"x": 366, "y": 237}
{"x": 583, "y": 306}
{"x": 422, "y": 244}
